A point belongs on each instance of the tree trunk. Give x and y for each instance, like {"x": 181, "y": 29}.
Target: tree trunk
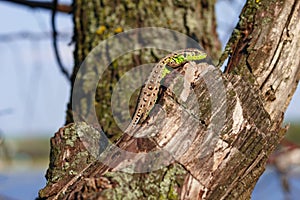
{"x": 220, "y": 155}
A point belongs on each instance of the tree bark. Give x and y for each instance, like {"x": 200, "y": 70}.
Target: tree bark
{"x": 261, "y": 76}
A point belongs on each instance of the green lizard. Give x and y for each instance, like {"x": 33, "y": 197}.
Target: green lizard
{"x": 149, "y": 91}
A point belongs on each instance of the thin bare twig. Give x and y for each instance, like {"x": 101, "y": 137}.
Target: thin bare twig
{"x": 30, "y": 35}
{"x": 54, "y": 36}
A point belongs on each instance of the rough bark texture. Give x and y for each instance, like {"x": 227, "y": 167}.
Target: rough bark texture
{"x": 260, "y": 79}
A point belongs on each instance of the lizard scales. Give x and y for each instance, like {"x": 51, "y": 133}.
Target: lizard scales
{"x": 149, "y": 91}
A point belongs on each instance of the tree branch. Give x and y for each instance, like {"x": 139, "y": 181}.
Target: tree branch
{"x": 262, "y": 75}
{"x": 45, "y": 5}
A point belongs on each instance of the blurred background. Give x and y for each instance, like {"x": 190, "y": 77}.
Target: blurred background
{"x": 35, "y": 93}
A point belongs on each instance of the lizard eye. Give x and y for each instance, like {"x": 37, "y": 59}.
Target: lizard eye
{"x": 172, "y": 62}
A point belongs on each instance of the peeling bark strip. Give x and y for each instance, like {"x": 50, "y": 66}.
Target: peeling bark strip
{"x": 262, "y": 75}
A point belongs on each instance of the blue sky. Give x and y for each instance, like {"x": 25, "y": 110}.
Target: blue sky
{"x": 34, "y": 92}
